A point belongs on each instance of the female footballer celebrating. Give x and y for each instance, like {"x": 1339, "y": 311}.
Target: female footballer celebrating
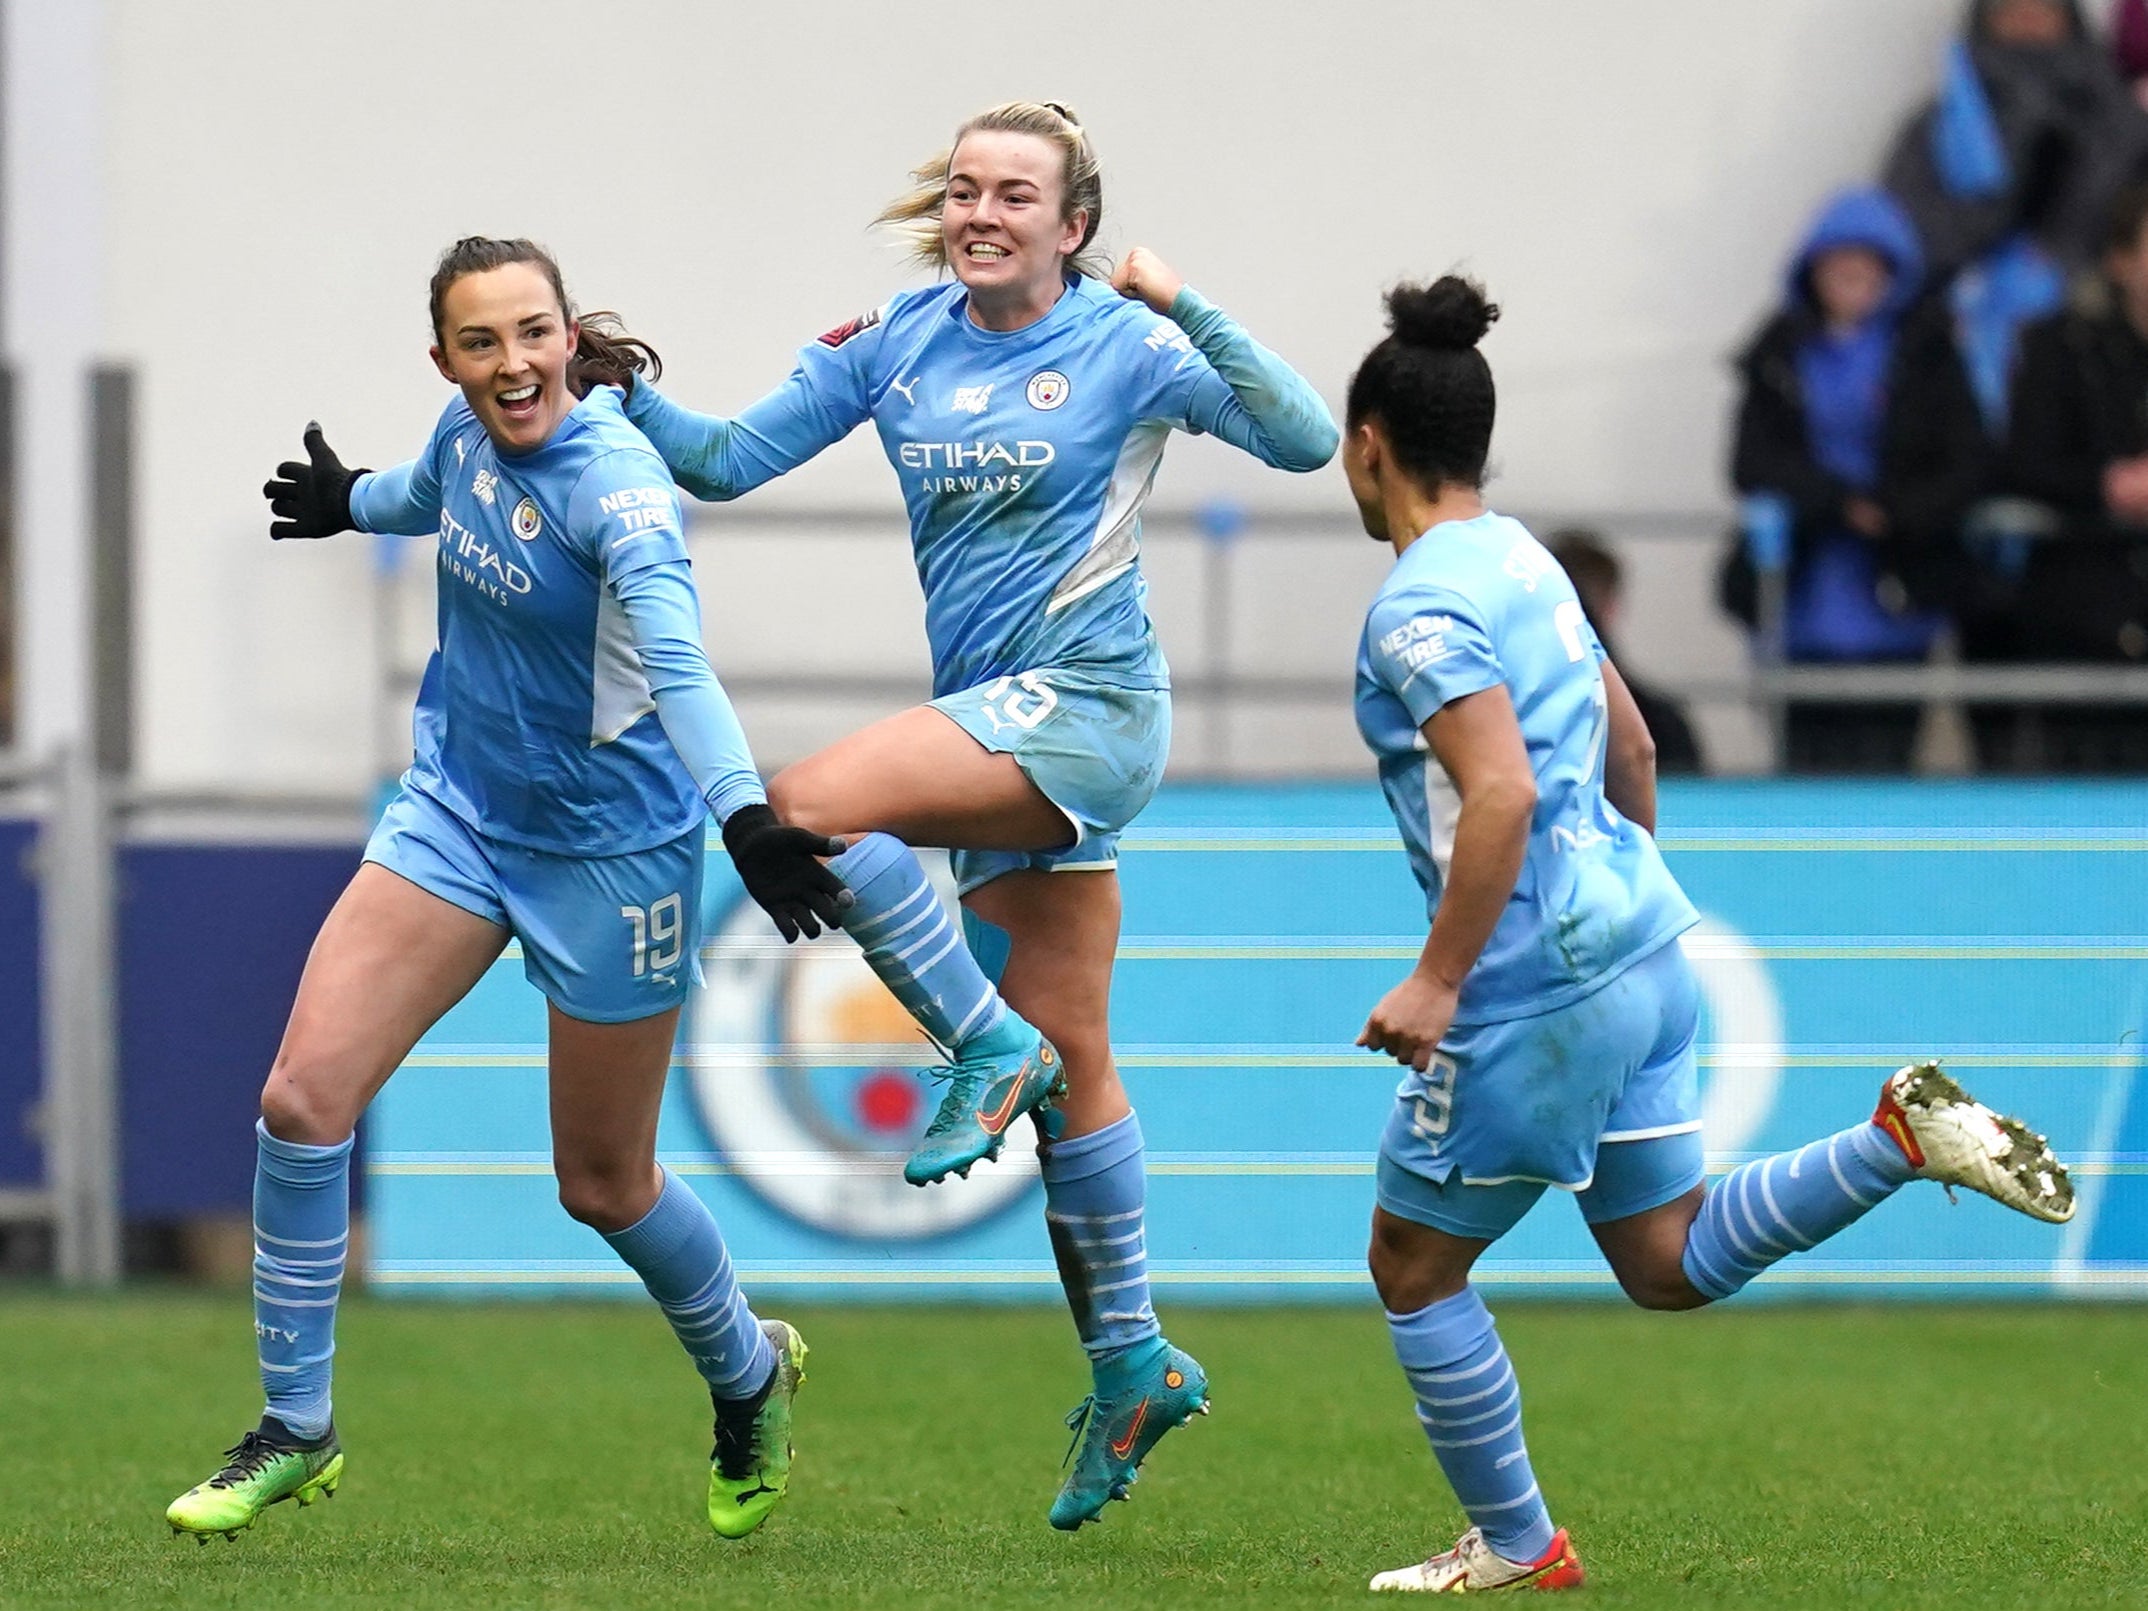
{"x": 1548, "y": 1028}
{"x": 1024, "y": 406}
{"x": 570, "y": 738}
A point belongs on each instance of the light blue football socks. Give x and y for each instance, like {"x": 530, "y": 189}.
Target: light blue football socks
{"x": 1095, "y": 1201}
{"x": 1764, "y": 1211}
{"x": 1469, "y": 1403}
{"x": 302, "y": 1231}
{"x": 679, "y": 1254}
{"x": 917, "y": 949}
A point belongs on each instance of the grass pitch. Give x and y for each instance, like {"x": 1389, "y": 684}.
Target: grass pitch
{"x": 555, "y": 1455}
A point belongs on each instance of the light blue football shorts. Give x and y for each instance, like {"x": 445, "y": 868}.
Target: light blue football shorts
{"x": 606, "y": 938}
{"x": 1600, "y": 1097}
{"x": 1094, "y": 749}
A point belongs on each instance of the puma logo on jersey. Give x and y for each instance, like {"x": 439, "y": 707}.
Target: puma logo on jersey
{"x": 906, "y": 388}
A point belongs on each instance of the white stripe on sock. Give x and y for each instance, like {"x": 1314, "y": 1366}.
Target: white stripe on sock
{"x": 1467, "y": 1398}
{"x": 1471, "y": 1443}
{"x": 864, "y": 930}
{"x": 969, "y": 1025}
{"x": 1463, "y": 1375}
{"x": 1455, "y": 1422}
{"x": 1508, "y": 1504}
{"x": 1842, "y": 1180}
{"x": 1767, "y": 1195}
{"x": 1092, "y": 1219}
{"x": 334, "y": 1241}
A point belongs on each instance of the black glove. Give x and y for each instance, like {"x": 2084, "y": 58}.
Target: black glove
{"x": 312, "y": 499}
{"x": 780, "y": 868}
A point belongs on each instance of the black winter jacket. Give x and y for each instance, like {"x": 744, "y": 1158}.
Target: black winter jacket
{"x": 2080, "y": 401}
{"x": 1935, "y": 458}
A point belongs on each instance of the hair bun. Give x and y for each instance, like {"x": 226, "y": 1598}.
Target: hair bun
{"x": 1449, "y": 313}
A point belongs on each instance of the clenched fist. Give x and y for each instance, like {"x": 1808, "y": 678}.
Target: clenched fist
{"x": 1145, "y": 277}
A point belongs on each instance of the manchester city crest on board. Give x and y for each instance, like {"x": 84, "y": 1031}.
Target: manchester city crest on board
{"x": 527, "y": 523}
{"x": 1048, "y": 389}
{"x": 806, "y": 1073}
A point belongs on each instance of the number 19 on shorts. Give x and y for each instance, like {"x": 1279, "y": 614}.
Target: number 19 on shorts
{"x": 657, "y": 933}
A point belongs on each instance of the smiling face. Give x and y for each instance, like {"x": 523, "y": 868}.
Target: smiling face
{"x": 1002, "y": 223}
{"x": 506, "y": 341}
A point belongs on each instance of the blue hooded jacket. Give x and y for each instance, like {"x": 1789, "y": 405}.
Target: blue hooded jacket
{"x": 1844, "y": 374}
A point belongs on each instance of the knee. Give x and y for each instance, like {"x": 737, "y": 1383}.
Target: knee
{"x": 801, "y": 795}
{"x": 1406, "y": 1285}
{"x": 299, "y": 1103}
{"x": 1663, "y": 1291}
{"x": 607, "y": 1199}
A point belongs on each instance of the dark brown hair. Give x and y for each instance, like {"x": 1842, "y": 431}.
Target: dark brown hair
{"x": 607, "y": 355}
{"x": 1428, "y": 384}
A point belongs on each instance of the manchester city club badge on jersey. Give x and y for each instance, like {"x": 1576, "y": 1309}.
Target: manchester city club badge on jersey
{"x": 527, "y": 523}
{"x": 1048, "y": 389}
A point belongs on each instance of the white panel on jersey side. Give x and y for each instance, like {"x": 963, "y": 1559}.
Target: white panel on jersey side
{"x": 618, "y": 690}
{"x": 1443, "y": 813}
{"x": 1117, "y": 543}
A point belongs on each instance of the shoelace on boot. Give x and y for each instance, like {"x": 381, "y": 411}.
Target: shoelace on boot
{"x": 1077, "y": 1423}
{"x": 737, "y": 1453}
{"x": 963, "y": 1092}
{"x": 245, "y": 1460}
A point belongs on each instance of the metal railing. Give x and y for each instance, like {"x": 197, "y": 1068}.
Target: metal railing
{"x": 1214, "y": 684}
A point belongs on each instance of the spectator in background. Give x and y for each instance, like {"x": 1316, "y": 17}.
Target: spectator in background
{"x": 2032, "y": 128}
{"x": 1599, "y": 580}
{"x": 1858, "y": 418}
{"x": 2008, "y": 173}
{"x": 2079, "y": 444}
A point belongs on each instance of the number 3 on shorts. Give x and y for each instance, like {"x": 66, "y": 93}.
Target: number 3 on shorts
{"x": 656, "y": 935}
{"x": 1004, "y": 701}
{"x": 1435, "y": 1103}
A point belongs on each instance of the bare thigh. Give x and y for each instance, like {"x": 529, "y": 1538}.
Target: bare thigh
{"x": 1415, "y": 1265}
{"x": 919, "y": 776}
{"x": 389, "y": 960}
{"x": 607, "y": 1085}
{"x": 1063, "y": 933}
{"x": 1647, "y": 1251}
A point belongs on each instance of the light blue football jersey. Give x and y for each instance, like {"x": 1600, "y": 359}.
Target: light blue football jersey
{"x": 1469, "y": 605}
{"x": 1024, "y": 457}
{"x": 535, "y": 722}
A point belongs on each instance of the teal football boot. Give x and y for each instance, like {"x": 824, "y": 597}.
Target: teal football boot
{"x": 985, "y": 1095}
{"x": 1113, "y": 1435}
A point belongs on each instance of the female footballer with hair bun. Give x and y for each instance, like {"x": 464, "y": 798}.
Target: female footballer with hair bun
{"x": 570, "y": 740}
{"x": 1024, "y": 406}
{"x": 1548, "y": 1028}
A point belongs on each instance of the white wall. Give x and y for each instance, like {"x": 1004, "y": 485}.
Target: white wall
{"x": 1625, "y": 177}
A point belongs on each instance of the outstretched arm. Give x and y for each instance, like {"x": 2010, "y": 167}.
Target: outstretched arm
{"x": 717, "y": 459}
{"x": 401, "y": 502}
{"x": 321, "y": 497}
{"x": 1244, "y": 393}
